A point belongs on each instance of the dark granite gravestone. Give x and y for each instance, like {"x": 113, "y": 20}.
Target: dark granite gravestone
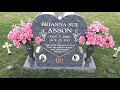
{"x": 60, "y": 47}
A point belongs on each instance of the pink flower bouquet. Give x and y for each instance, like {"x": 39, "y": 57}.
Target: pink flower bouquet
{"x": 98, "y": 35}
{"x": 22, "y": 34}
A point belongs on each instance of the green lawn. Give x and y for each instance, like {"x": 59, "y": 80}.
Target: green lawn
{"x": 102, "y": 57}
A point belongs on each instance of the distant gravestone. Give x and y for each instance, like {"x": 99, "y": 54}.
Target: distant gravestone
{"x": 60, "y": 47}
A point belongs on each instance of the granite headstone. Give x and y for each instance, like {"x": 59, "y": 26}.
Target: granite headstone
{"x": 60, "y": 47}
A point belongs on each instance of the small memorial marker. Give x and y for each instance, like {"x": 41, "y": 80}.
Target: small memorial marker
{"x": 117, "y": 51}
{"x": 7, "y": 45}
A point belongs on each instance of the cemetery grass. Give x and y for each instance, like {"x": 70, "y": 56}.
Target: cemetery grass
{"x": 102, "y": 57}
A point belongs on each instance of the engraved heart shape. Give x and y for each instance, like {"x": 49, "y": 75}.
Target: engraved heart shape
{"x": 59, "y": 36}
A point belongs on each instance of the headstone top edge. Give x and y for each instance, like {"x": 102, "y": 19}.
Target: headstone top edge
{"x": 58, "y": 16}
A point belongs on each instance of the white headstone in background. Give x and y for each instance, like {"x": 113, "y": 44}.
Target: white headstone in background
{"x": 68, "y": 13}
{"x": 65, "y": 14}
{"x": 71, "y": 13}
{"x": 59, "y": 15}
{"x": 51, "y": 13}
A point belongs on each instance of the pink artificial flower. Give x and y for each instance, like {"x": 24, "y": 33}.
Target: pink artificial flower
{"x": 97, "y": 43}
{"x": 21, "y": 33}
{"x": 112, "y": 43}
{"x": 10, "y": 35}
{"x": 96, "y": 22}
{"x": 82, "y": 40}
{"x": 30, "y": 31}
{"x": 24, "y": 41}
{"x": 94, "y": 27}
{"x": 16, "y": 34}
{"x": 101, "y": 42}
{"x": 22, "y": 37}
{"x": 109, "y": 42}
{"x": 22, "y": 25}
{"x": 13, "y": 37}
{"x": 105, "y": 30}
{"x": 106, "y": 45}
{"x": 89, "y": 29}
{"x": 90, "y": 35}
{"x": 29, "y": 37}
{"x": 15, "y": 29}
{"x": 26, "y": 35}
{"x": 23, "y": 30}
{"x": 92, "y": 40}
{"x": 16, "y": 43}
{"x": 38, "y": 40}
{"x": 97, "y": 34}
{"x": 88, "y": 43}
{"x": 100, "y": 27}
{"x": 110, "y": 38}
{"x": 29, "y": 25}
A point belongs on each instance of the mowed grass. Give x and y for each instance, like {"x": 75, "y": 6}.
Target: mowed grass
{"x": 102, "y": 57}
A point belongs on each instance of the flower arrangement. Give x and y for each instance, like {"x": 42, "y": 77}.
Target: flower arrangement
{"x": 22, "y": 34}
{"x": 97, "y": 34}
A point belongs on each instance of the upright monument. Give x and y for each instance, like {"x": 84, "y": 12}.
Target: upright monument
{"x": 60, "y": 48}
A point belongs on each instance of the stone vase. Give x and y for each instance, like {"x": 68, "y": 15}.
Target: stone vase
{"x": 89, "y": 51}
{"x": 30, "y": 51}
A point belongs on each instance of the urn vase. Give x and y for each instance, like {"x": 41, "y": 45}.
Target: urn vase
{"x": 30, "y": 50}
{"x": 89, "y": 51}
